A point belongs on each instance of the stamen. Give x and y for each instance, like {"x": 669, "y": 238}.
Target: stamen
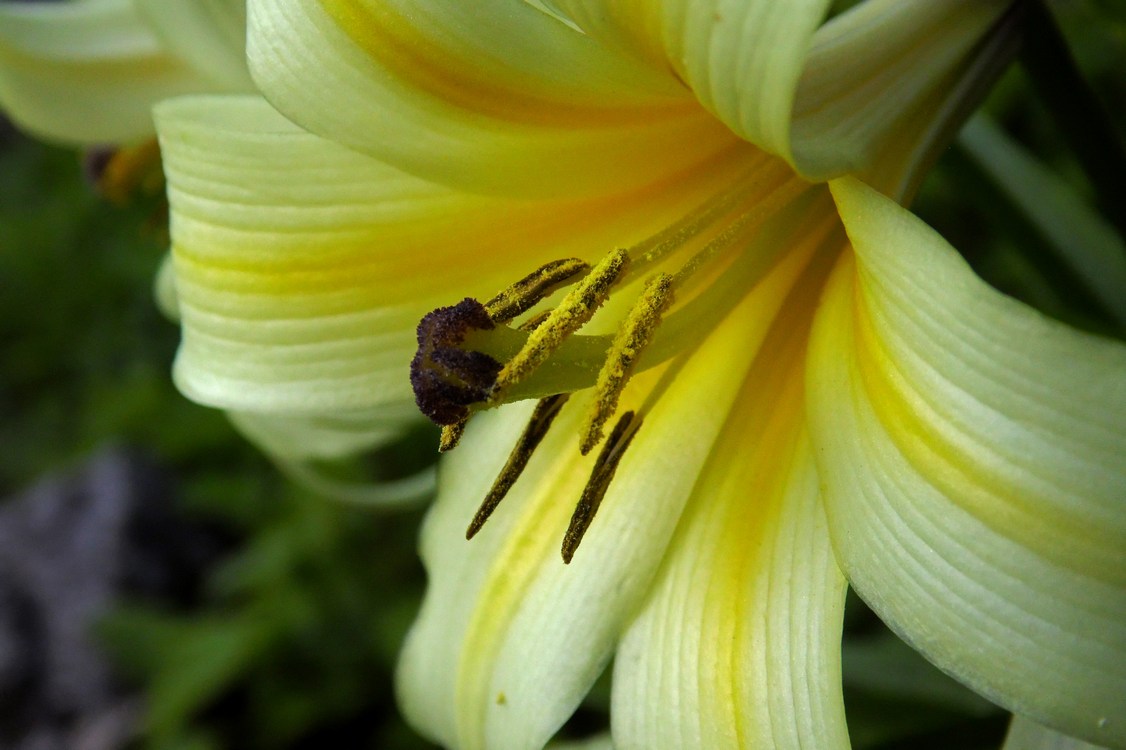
{"x": 525, "y": 293}
{"x": 600, "y": 478}
{"x": 120, "y": 174}
{"x": 544, "y": 414}
{"x": 633, "y": 336}
{"x": 690, "y": 225}
{"x": 451, "y": 435}
{"x": 572, "y": 313}
{"x": 489, "y": 364}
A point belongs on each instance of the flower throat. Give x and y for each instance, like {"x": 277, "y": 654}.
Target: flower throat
{"x": 473, "y": 355}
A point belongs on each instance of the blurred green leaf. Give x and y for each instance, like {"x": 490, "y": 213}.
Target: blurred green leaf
{"x": 1081, "y": 238}
{"x": 187, "y": 663}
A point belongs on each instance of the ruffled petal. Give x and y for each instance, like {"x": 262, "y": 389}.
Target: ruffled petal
{"x": 492, "y": 96}
{"x": 830, "y": 98}
{"x": 738, "y": 645}
{"x": 509, "y": 638}
{"x": 878, "y": 77}
{"x": 208, "y": 35}
{"x": 972, "y": 458}
{"x": 302, "y": 268}
{"x": 86, "y": 72}
{"x": 741, "y": 58}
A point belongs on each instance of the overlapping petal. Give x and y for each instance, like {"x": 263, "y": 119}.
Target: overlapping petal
{"x": 302, "y": 267}
{"x": 738, "y": 645}
{"x": 831, "y": 98}
{"x": 208, "y": 35}
{"x": 742, "y": 59}
{"x": 87, "y": 71}
{"x": 509, "y": 639}
{"x": 493, "y": 96}
{"x": 971, "y": 452}
{"x": 877, "y": 83}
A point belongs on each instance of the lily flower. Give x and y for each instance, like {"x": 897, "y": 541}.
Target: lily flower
{"x": 88, "y": 73}
{"x": 765, "y": 375}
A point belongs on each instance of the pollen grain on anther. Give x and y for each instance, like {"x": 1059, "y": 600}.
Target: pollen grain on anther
{"x": 542, "y": 417}
{"x": 451, "y": 435}
{"x": 528, "y": 291}
{"x": 603, "y": 473}
{"x": 633, "y": 337}
{"x": 576, "y": 308}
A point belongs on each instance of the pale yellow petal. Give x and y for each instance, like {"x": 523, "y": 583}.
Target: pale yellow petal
{"x": 328, "y": 436}
{"x": 493, "y": 96}
{"x": 738, "y": 645}
{"x": 509, "y": 638}
{"x": 85, "y": 72}
{"x": 831, "y": 98}
{"x": 302, "y": 268}
{"x": 971, "y": 452}
{"x": 874, "y": 70}
{"x": 742, "y": 60}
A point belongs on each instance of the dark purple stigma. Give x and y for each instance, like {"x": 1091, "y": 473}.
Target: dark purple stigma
{"x": 446, "y": 379}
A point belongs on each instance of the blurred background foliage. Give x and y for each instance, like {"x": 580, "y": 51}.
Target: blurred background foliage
{"x": 287, "y": 638}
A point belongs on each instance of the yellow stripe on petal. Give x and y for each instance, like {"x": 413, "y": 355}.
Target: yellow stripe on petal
{"x": 509, "y": 638}
{"x": 492, "y": 96}
{"x": 741, "y": 58}
{"x": 739, "y": 643}
{"x": 870, "y": 86}
{"x": 303, "y": 268}
{"x": 972, "y": 456}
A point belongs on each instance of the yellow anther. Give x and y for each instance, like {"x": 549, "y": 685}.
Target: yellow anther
{"x": 131, "y": 170}
{"x": 633, "y": 336}
{"x": 572, "y": 313}
{"x": 451, "y": 435}
{"x": 544, "y": 414}
{"x": 525, "y": 293}
{"x": 600, "y": 478}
